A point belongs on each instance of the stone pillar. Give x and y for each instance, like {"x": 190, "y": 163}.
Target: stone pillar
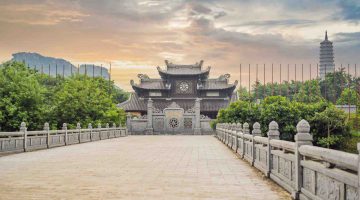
{"x": 47, "y": 129}
{"x": 197, "y": 128}
{"x": 128, "y": 122}
{"x": 149, "y": 126}
{"x": 108, "y": 130}
{"x": 78, "y": 128}
{"x": 256, "y": 129}
{"x": 114, "y": 129}
{"x": 246, "y": 130}
{"x": 90, "y": 127}
{"x": 64, "y": 127}
{"x": 23, "y": 129}
{"x": 302, "y": 137}
{"x": 273, "y": 133}
{"x": 99, "y": 130}
{"x": 255, "y": 132}
{"x": 358, "y": 148}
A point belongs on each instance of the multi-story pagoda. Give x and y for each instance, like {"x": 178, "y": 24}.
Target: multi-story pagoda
{"x": 187, "y": 88}
{"x": 326, "y": 57}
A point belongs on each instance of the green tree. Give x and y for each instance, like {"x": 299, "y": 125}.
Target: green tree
{"x": 349, "y": 96}
{"x": 85, "y": 100}
{"x": 21, "y": 97}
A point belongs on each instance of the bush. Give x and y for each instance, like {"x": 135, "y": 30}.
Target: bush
{"x": 287, "y": 114}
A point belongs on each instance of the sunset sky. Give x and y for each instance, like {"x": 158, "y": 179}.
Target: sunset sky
{"x": 137, "y": 36}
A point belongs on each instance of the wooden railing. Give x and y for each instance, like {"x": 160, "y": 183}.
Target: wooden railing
{"x": 306, "y": 171}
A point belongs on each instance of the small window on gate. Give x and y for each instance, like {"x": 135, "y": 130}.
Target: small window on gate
{"x": 155, "y": 94}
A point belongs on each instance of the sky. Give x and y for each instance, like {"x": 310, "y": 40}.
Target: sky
{"x": 136, "y": 36}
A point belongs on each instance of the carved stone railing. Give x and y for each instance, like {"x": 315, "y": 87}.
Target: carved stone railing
{"x": 306, "y": 171}
{"x": 23, "y": 140}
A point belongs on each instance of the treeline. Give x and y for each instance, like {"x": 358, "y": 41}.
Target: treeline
{"x": 36, "y": 98}
{"x": 338, "y": 87}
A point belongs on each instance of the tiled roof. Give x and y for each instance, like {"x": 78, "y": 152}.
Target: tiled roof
{"x": 213, "y": 84}
{"x": 136, "y": 104}
{"x": 183, "y": 70}
{"x": 152, "y": 84}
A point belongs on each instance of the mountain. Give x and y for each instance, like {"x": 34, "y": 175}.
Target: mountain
{"x": 58, "y": 66}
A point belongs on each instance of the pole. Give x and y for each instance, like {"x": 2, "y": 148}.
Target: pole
{"x": 280, "y": 82}
{"x": 110, "y": 80}
{"x": 257, "y": 81}
{"x": 295, "y": 81}
{"x": 288, "y": 79}
{"x": 272, "y": 79}
{"x": 249, "y": 86}
{"x": 310, "y": 83}
{"x": 240, "y": 79}
{"x": 264, "y": 83}
{"x": 85, "y": 70}
{"x": 349, "y": 82}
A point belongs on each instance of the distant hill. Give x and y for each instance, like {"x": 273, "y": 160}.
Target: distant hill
{"x": 52, "y": 66}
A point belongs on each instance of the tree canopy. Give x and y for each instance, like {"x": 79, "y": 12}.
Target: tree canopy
{"x": 35, "y": 98}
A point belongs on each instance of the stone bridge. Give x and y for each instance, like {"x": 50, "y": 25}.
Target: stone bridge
{"x": 106, "y": 163}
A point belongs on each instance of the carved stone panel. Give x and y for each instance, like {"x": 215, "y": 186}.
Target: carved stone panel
{"x": 188, "y": 123}
{"x": 309, "y": 180}
{"x": 158, "y": 124}
{"x": 351, "y": 193}
{"x": 327, "y": 188}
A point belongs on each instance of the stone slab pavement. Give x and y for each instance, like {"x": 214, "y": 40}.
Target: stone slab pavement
{"x": 135, "y": 167}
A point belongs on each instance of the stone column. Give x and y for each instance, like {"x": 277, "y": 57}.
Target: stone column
{"x": 47, "y": 129}
{"x": 273, "y": 133}
{"x": 255, "y": 132}
{"x": 78, "y": 127}
{"x": 302, "y": 137}
{"x": 197, "y": 129}
{"x": 90, "y": 127}
{"x": 246, "y": 130}
{"x": 108, "y": 130}
{"x": 358, "y": 148}
{"x": 114, "y": 129}
{"x": 149, "y": 126}
{"x": 23, "y": 129}
{"x": 64, "y": 127}
{"x": 99, "y": 130}
{"x": 128, "y": 122}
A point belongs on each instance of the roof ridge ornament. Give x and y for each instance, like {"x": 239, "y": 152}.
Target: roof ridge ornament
{"x": 143, "y": 77}
{"x": 224, "y": 77}
{"x": 173, "y": 105}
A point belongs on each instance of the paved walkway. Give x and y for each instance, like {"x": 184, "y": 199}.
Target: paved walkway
{"x": 135, "y": 167}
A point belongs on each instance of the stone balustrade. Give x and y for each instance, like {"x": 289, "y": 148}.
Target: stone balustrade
{"x": 24, "y": 140}
{"x": 306, "y": 171}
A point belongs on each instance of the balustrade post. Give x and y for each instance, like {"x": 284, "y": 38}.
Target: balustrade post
{"x": 302, "y": 137}
{"x": 108, "y": 130}
{"x": 246, "y": 130}
{"x": 273, "y": 133}
{"x": 23, "y": 129}
{"x": 64, "y": 127}
{"x": 90, "y": 127}
{"x": 99, "y": 130}
{"x": 238, "y": 130}
{"x": 358, "y": 148}
{"x": 114, "y": 129}
{"x": 128, "y": 123}
{"x": 78, "y": 127}
{"x": 255, "y": 132}
{"x": 47, "y": 129}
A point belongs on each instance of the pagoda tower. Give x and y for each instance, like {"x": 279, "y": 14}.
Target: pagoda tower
{"x": 326, "y": 57}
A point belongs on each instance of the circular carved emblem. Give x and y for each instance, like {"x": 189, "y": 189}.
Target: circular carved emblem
{"x": 173, "y": 123}
{"x": 184, "y": 86}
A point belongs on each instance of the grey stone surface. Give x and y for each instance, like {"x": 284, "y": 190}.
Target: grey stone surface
{"x": 135, "y": 167}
